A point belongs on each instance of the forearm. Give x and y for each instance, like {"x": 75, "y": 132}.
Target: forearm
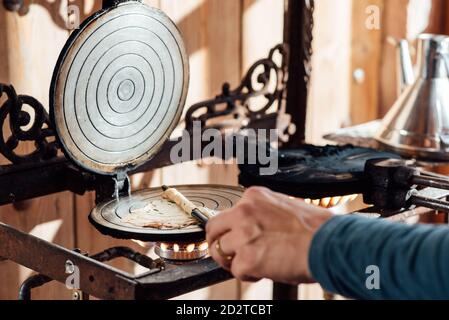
{"x": 413, "y": 261}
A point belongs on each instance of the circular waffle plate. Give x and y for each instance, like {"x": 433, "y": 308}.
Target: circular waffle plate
{"x": 119, "y": 88}
{"x": 107, "y": 217}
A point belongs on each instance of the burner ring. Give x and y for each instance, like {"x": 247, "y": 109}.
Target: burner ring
{"x": 182, "y": 251}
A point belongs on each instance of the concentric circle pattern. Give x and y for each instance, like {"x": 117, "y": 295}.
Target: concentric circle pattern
{"x": 108, "y": 217}
{"x": 120, "y": 88}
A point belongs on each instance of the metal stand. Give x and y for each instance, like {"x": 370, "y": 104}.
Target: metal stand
{"x": 31, "y": 283}
{"x": 298, "y": 35}
{"x": 284, "y": 292}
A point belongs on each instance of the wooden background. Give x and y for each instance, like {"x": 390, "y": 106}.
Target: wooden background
{"x": 223, "y": 38}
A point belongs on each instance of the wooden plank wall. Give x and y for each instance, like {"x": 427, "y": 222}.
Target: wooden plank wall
{"x": 366, "y": 52}
{"x": 329, "y": 93}
{"x": 372, "y": 52}
{"x": 394, "y": 25}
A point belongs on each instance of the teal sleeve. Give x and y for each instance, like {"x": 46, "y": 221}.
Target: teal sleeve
{"x": 363, "y": 258}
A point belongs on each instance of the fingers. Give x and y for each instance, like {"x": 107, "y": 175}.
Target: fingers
{"x": 248, "y": 262}
{"x": 284, "y": 262}
{"x": 266, "y": 235}
{"x": 247, "y": 256}
{"x": 230, "y": 242}
{"x": 258, "y": 206}
{"x": 221, "y": 260}
{"x": 240, "y": 214}
{"x": 219, "y": 225}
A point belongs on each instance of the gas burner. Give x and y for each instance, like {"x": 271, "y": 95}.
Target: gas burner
{"x": 331, "y": 202}
{"x": 182, "y": 251}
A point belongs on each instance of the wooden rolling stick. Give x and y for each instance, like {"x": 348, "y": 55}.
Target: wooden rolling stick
{"x": 186, "y": 205}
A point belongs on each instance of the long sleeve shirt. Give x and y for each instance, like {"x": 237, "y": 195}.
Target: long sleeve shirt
{"x": 363, "y": 258}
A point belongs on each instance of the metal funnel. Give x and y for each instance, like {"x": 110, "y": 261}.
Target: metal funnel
{"x": 418, "y": 123}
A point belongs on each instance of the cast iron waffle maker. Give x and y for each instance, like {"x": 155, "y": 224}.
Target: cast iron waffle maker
{"x": 118, "y": 92}
{"x": 316, "y": 172}
{"x": 331, "y": 175}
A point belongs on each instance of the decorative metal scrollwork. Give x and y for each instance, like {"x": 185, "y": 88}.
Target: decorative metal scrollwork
{"x": 25, "y": 126}
{"x": 265, "y": 78}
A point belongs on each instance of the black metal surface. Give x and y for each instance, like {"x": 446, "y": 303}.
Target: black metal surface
{"x": 32, "y": 282}
{"x": 392, "y": 184}
{"x": 283, "y": 292}
{"x": 25, "y": 127}
{"x": 178, "y": 279}
{"x": 298, "y": 35}
{"x": 315, "y": 172}
{"x": 34, "y": 253}
{"x": 103, "y": 281}
{"x": 438, "y": 205}
{"x": 387, "y": 187}
{"x": 430, "y": 182}
{"x": 124, "y": 252}
{"x": 402, "y": 214}
{"x": 111, "y": 3}
{"x": 23, "y": 182}
{"x": 201, "y": 217}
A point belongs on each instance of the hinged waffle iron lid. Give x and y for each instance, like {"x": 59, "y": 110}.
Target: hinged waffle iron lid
{"x": 119, "y": 88}
{"x": 117, "y": 94}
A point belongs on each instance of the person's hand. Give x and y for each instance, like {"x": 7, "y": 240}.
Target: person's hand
{"x": 266, "y": 235}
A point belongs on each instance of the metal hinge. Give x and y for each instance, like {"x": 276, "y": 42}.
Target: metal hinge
{"x": 122, "y": 185}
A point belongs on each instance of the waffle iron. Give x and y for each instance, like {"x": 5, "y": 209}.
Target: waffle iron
{"x": 117, "y": 94}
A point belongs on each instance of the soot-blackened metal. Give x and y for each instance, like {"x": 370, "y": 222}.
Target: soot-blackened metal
{"x": 25, "y": 127}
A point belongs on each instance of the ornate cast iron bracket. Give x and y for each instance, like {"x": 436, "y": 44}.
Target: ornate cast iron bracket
{"x": 265, "y": 79}
{"x": 24, "y": 126}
